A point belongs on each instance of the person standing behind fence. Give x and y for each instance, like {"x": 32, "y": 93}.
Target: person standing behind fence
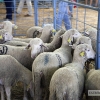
{"x": 64, "y": 12}
{"x": 29, "y": 5}
{"x": 91, "y": 2}
{"x": 8, "y": 4}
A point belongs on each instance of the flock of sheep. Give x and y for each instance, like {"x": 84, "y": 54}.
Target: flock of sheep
{"x": 50, "y": 64}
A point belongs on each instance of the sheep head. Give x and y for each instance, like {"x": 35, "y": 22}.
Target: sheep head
{"x": 71, "y": 36}
{"x": 37, "y": 46}
{"x": 82, "y": 40}
{"x": 83, "y": 52}
{"x": 5, "y": 35}
{"x": 90, "y": 32}
{"x": 49, "y": 29}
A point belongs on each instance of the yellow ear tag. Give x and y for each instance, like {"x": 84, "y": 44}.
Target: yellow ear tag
{"x": 82, "y": 54}
{"x": 15, "y": 27}
{"x": 53, "y": 30}
{"x": 69, "y": 40}
{"x": 1, "y": 37}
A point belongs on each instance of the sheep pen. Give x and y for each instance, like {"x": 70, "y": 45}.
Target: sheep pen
{"x": 29, "y": 22}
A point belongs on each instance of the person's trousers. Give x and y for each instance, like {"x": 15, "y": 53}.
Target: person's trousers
{"x": 29, "y": 5}
{"x": 62, "y": 15}
{"x": 8, "y": 4}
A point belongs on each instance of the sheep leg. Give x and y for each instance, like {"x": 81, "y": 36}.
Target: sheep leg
{"x": 25, "y": 92}
{"x": 52, "y": 96}
{"x": 38, "y": 89}
{"x": 46, "y": 94}
{"x": 2, "y": 92}
{"x": 8, "y": 92}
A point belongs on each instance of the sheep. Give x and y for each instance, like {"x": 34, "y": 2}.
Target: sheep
{"x": 82, "y": 40}
{"x": 5, "y": 38}
{"x": 22, "y": 55}
{"x": 7, "y": 25}
{"x": 47, "y": 32}
{"x": 92, "y": 33}
{"x": 34, "y": 32}
{"x": 67, "y": 83}
{"x": 47, "y": 63}
{"x": 56, "y": 42}
{"x": 92, "y": 83}
{"x": 11, "y": 72}
{"x": 5, "y": 35}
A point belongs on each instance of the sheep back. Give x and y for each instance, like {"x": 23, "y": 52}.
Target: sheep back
{"x": 67, "y": 83}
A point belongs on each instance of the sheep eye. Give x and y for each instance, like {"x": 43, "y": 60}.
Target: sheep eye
{"x": 88, "y": 50}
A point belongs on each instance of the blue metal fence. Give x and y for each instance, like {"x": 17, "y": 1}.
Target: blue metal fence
{"x": 84, "y": 21}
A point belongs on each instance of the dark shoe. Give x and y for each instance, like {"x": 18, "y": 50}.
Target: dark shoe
{"x": 6, "y": 19}
{"x": 27, "y": 15}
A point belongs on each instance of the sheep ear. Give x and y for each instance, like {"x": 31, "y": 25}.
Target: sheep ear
{"x": 27, "y": 47}
{"x": 82, "y": 54}
{"x": 43, "y": 47}
{"x": 1, "y": 37}
{"x": 14, "y": 26}
{"x": 70, "y": 40}
{"x": 77, "y": 41}
{"x": 53, "y": 31}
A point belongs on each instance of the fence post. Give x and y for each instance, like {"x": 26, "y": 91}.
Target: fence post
{"x": 14, "y": 8}
{"x": 54, "y": 12}
{"x": 36, "y": 12}
{"x": 98, "y": 39}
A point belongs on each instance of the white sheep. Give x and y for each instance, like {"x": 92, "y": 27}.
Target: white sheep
{"x": 11, "y": 72}
{"x": 92, "y": 83}
{"x": 82, "y": 40}
{"x": 34, "y": 32}
{"x": 5, "y": 38}
{"x": 67, "y": 83}
{"x": 7, "y": 25}
{"x": 56, "y": 42}
{"x": 46, "y": 34}
{"x": 22, "y": 55}
{"x": 92, "y": 33}
{"x": 5, "y": 35}
{"x": 47, "y": 63}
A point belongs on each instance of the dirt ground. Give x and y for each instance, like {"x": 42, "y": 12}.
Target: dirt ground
{"x": 82, "y": 19}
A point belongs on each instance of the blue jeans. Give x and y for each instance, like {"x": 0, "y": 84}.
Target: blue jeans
{"x": 8, "y": 4}
{"x": 62, "y": 15}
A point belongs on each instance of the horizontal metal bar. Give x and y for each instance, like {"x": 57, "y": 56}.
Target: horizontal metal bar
{"x": 82, "y": 5}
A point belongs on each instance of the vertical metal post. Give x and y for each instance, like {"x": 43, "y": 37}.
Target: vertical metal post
{"x": 77, "y": 15}
{"x": 14, "y": 5}
{"x": 54, "y": 12}
{"x": 36, "y": 12}
{"x": 84, "y": 19}
{"x": 98, "y": 39}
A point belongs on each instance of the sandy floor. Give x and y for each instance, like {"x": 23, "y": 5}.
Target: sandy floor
{"x": 79, "y": 20}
